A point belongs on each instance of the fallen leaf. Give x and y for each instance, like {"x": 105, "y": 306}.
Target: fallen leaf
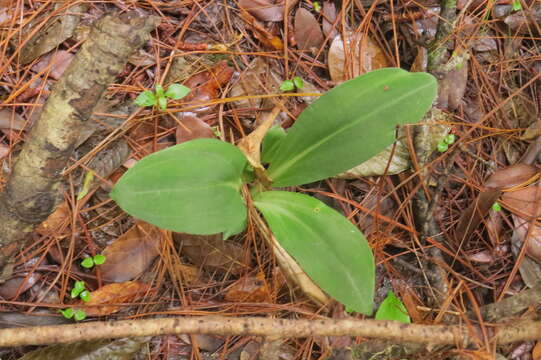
{"x": 525, "y": 21}
{"x": 511, "y": 176}
{"x": 192, "y": 127}
{"x": 308, "y": 33}
{"x": 359, "y": 55}
{"x": 59, "y": 62}
{"x": 212, "y": 253}
{"x": 263, "y": 10}
{"x": 525, "y": 202}
{"x": 132, "y": 253}
{"x": 13, "y": 287}
{"x": 536, "y": 352}
{"x": 452, "y": 86}
{"x": 249, "y": 289}
{"x": 60, "y": 217}
{"x": 11, "y": 120}
{"x": 484, "y": 257}
{"x": 329, "y": 18}
{"x": 116, "y": 293}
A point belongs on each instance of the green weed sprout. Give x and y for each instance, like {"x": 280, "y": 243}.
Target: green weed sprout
{"x": 159, "y": 96}
{"x": 290, "y": 85}
{"x": 89, "y": 262}
{"x": 443, "y": 144}
{"x": 80, "y": 291}
{"x": 69, "y": 313}
{"x": 496, "y": 206}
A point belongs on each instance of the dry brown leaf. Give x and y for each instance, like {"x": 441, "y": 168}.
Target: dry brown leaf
{"x": 192, "y": 128}
{"x": 18, "y": 285}
{"x": 453, "y": 85}
{"x": 536, "y": 352}
{"x": 212, "y": 253}
{"x": 329, "y": 18}
{"x": 261, "y": 33}
{"x": 521, "y": 231}
{"x": 360, "y": 55}
{"x": 511, "y": 176}
{"x": 249, "y": 289}
{"x": 190, "y": 274}
{"x": 58, "y": 218}
{"x": 11, "y": 120}
{"x": 308, "y": 33}
{"x": 117, "y": 293}
{"x": 59, "y": 62}
{"x": 132, "y": 253}
{"x": 264, "y": 10}
{"x": 525, "y": 202}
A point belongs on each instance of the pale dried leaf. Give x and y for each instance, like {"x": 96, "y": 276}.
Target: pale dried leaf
{"x": 329, "y": 18}
{"x": 263, "y": 10}
{"x": 453, "y": 85}
{"x": 11, "y": 120}
{"x": 359, "y": 55}
{"x": 249, "y": 289}
{"x": 308, "y": 33}
{"x": 484, "y": 257}
{"x": 59, "y": 62}
{"x": 111, "y": 294}
{"x": 192, "y": 128}
{"x": 60, "y": 217}
{"x": 13, "y": 287}
{"x": 132, "y": 253}
{"x": 525, "y": 202}
{"x": 511, "y": 176}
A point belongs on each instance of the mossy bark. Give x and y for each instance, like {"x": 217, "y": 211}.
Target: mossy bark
{"x": 33, "y": 188}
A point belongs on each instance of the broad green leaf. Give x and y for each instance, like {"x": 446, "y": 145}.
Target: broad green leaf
{"x": 177, "y": 91}
{"x": 350, "y": 124}
{"x": 146, "y": 98}
{"x": 330, "y": 249}
{"x": 392, "y": 309}
{"x": 192, "y": 187}
{"x": 270, "y": 142}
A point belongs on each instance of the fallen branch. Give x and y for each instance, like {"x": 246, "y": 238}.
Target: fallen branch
{"x": 275, "y": 328}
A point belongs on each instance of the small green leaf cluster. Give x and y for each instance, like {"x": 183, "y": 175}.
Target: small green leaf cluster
{"x": 392, "y": 309}
{"x": 194, "y": 187}
{"x": 317, "y": 6}
{"x": 289, "y": 85}
{"x": 443, "y": 144}
{"x": 516, "y": 5}
{"x": 89, "y": 262}
{"x": 78, "y": 291}
{"x": 159, "y": 96}
{"x": 496, "y": 206}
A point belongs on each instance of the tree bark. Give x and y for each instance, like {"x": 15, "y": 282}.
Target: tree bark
{"x": 33, "y": 189}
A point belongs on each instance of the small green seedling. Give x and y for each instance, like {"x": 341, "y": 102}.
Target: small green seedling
{"x": 443, "y": 144}
{"x": 89, "y": 262}
{"x": 80, "y": 291}
{"x": 290, "y": 85}
{"x": 159, "y": 96}
{"x": 194, "y": 187}
{"x": 85, "y": 188}
{"x": 393, "y": 309}
{"x": 496, "y": 206}
{"x": 517, "y": 5}
{"x": 69, "y": 313}
{"x": 317, "y": 6}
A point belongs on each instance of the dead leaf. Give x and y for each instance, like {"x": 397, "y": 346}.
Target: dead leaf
{"x": 261, "y": 33}
{"x": 212, "y": 253}
{"x": 511, "y": 176}
{"x": 264, "y": 10}
{"x": 453, "y": 84}
{"x": 60, "y": 217}
{"x": 11, "y": 120}
{"x": 329, "y": 18}
{"x": 525, "y": 202}
{"x": 359, "y": 55}
{"x": 116, "y": 293}
{"x": 536, "y": 352}
{"x": 192, "y": 128}
{"x": 533, "y": 246}
{"x": 308, "y": 33}
{"x": 132, "y": 253}
{"x": 55, "y": 32}
{"x": 249, "y": 289}
{"x": 59, "y": 62}
{"x": 525, "y": 21}
{"x": 190, "y": 274}
{"x": 13, "y": 287}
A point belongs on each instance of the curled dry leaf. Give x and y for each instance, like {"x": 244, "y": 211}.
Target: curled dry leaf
{"x": 132, "y": 253}
{"x": 359, "y": 55}
{"x": 511, "y": 176}
{"x": 192, "y": 128}
{"x": 59, "y": 62}
{"x": 212, "y": 253}
{"x": 525, "y": 202}
{"x": 249, "y": 289}
{"x": 531, "y": 272}
{"x": 111, "y": 294}
{"x": 308, "y": 33}
{"x": 263, "y": 10}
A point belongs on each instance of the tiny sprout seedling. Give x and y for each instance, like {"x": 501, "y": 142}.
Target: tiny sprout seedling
{"x": 317, "y": 6}
{"x": 159, "y": 96}
{"x": 496, "y": 206}
{"x": 517, "y": 5}
{"x": 392, "y": 309}
{"x": 89, "y": 262}
{"x": 69, "y": 313}
{"x": 80, "y": 291}
{"x": 443, "y": 144}
{"x": 290, "y": 85}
